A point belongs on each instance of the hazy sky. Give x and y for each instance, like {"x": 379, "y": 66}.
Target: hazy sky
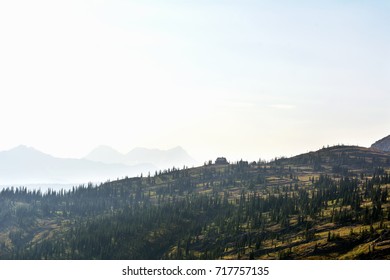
{"x": 243, "y": 79}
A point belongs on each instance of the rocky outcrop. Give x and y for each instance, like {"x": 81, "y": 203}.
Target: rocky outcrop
{"x": 382, "y": 145}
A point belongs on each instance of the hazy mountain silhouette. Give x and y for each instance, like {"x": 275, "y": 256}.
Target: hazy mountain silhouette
{"x": 160, "y": 158}
{"x": 106, "y": 154}
{"x": 26, "y": 165}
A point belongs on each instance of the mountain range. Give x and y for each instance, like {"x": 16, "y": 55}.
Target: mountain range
{"x": 24, "y": 165}
{"x": 161, "y": 159}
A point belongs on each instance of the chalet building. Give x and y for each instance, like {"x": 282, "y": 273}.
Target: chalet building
{"x": 221, "y": 160}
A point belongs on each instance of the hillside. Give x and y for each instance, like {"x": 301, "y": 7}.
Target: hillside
{"x": 329, "y": 204}
{"x": 351, "y": 157}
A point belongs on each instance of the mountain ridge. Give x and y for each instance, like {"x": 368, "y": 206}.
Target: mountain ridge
{"x": 27, "y": 165}
{"x": 162, "y": 159}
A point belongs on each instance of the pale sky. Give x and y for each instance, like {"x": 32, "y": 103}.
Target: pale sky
{"x": 241, "y": 79}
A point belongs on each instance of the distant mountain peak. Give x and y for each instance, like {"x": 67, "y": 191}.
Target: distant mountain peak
{"x": 382, "y": 144}
{"x": 104, "y": 148}
{"x": 26, "y": 152}
{"x": 178, "y": 148}
{"x": 175, "y": 156}
{"x": 142, "y": 149}
{"x": 106, "y": 154}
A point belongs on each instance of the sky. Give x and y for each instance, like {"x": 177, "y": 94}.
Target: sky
{"x": 242, "y": 79}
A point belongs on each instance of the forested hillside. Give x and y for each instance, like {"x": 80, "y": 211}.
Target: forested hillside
{"x": 329, "y": 204}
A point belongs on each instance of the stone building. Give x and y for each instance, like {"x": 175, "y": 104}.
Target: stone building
{"x": 221, "y": 160}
